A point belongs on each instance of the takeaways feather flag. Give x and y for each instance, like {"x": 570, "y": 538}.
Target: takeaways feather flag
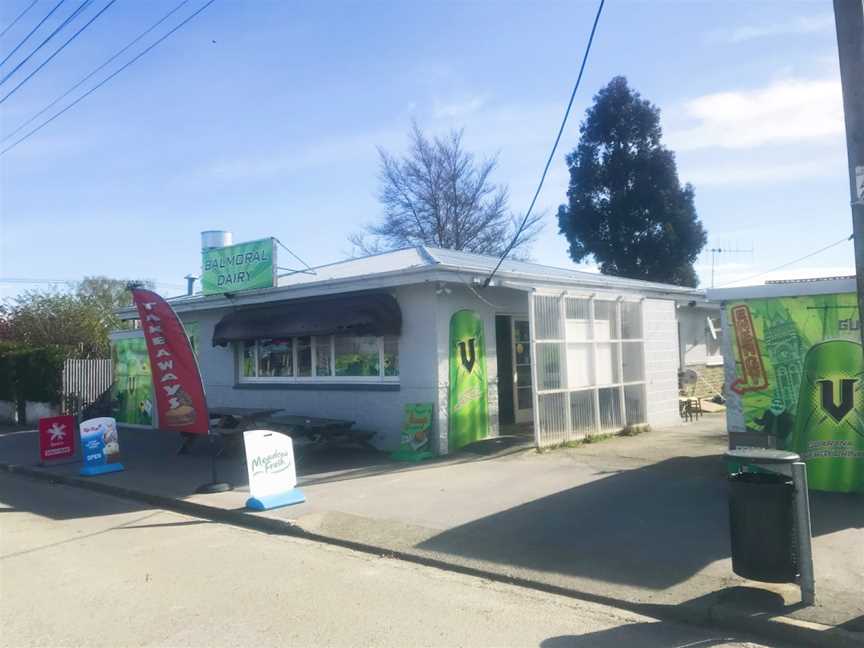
{"x": 180, "y": 401}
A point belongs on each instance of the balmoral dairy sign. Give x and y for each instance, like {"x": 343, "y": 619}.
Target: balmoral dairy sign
{"x": 244, "y": 266}
{"x": 270, "y": 465}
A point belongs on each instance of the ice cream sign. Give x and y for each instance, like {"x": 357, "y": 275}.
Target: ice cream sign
{"x": 100, "y": 446}
{"x": 244, "y": 266}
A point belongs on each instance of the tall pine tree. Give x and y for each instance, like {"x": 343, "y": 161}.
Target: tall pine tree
{"x": 626, "y": 206}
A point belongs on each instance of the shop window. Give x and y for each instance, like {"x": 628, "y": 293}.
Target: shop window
{"x": 304, "y": 356}
{"x": 249, "y": 359}
{"x": 592, "y": 381}
{"x": 275, "y": 358}
{"x": 357, "y": 356}
{"x": 391, "y": 355}
{"x": 323, "y": 355}
{"x": 320, "y": 358}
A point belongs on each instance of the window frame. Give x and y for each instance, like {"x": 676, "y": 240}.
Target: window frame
{"x": 314, "y": 378}
{"x": 616, "y": 340}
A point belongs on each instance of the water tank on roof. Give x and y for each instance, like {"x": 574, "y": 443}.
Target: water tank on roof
{"x": 215, "y": 239}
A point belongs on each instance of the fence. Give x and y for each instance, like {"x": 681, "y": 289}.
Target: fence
{"x": 85, "y": 381}
{"x": 589, "y": 366}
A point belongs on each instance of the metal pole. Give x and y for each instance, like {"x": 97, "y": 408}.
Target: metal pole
{"x": 803, "y": 531}
{"x": 849, "y": 20}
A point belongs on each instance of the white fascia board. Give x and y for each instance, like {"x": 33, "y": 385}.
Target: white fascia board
{"x": 602, "y": 287}
{"x": 402, "y": 277}
{"x": 262, "y": 296}
{"x": 796, "y": 289}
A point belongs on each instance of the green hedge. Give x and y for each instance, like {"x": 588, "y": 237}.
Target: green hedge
{"x": 7, "y": 371}
{"x": 31, "y": 373}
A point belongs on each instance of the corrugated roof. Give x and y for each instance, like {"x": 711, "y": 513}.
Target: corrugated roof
{"x": 405, "y": 259}
{"x": 390, "y": 266}
{"x": 485, "y": 264}
{"x": 427, "y": 256}
{"x": 828, "y": 286}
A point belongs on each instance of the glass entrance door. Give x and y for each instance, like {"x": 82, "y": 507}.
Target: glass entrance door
{"x": 522, "y": 396}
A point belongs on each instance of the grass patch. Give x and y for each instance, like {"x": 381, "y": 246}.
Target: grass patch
{"x": 629, "y": 431}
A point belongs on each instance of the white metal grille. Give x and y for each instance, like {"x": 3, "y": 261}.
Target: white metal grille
{"x": 589, "y": 370}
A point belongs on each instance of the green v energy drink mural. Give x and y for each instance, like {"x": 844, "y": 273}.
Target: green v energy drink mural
{"x": 829, "y": 419}
{"x": 799, "y": 372}
{"x": 468, "y": 413}
{"x": 131, "y": 393}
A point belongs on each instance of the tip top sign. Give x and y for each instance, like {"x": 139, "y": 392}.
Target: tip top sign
{"x": 244, "y": 266}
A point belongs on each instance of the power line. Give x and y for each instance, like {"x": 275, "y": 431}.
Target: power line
{"x": 26, "y": 280}
{"x": 17, "y": 18}
{"x": 554, "y": 148}
{"x": 57, "y": 51}
{"x": 104, "y": 81}
{"x": 786, "y": 265}
{"x": 32, "y": 31}
{"x": 68, "y": 19}
{"x": 35, "y": 281}
{"x": 95, "y": 71}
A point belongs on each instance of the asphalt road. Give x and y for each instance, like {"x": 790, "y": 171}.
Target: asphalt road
{"x": 81, "y": 569}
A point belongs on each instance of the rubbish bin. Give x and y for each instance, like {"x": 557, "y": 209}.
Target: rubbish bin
{"x": 762, "y": 518}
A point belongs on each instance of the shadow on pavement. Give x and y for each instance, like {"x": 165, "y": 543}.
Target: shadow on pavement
{"x": 652, "y": 527}
{"x": 22, "y": 493}
{"x": 831, "y": 512}
{"x": 645, "y": 635}
{"x": 153, "y": 465}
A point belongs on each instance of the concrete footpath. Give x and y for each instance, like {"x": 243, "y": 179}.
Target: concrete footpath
{"x": 639, "y": 523}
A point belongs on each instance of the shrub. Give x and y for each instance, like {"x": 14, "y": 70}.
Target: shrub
{"x": 31, "y": 373}
{"x": 8, "y": 351}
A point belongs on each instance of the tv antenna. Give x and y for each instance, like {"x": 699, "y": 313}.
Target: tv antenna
{"x": 724, "y": 250}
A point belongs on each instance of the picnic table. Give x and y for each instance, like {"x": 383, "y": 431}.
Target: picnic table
{"x": 319, "y": 431}
{"x": 229, "y": 424}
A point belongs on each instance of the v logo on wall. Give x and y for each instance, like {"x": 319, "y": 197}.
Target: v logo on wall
{"x": 847, "y": 397}
{"x": 468, "y": 359}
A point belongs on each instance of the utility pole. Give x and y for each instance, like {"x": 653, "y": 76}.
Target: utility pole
{"x": 849, "y": 18}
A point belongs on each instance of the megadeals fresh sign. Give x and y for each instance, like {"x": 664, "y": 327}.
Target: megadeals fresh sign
{"x": 271, "y": 469}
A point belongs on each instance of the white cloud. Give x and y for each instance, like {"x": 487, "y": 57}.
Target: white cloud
{"x": 796, "y": 26}
{"x": 789, "y": 110}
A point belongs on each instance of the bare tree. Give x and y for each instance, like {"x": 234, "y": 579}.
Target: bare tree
{"x": 439, "y": 195}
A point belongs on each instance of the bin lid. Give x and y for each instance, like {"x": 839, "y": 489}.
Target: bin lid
{"x": 762, "y": 456}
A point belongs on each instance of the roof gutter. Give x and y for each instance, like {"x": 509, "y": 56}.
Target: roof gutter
{"x": 401, "y": 277}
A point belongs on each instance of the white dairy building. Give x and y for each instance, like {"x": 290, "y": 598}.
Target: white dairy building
{"x": 572, "y": 352}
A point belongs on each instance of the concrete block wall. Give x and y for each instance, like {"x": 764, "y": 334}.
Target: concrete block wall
{"x": 381, "y": 411}
{"x": 661, "y": 361}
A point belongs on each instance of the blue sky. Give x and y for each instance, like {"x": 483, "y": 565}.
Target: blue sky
{"x": 263, "y": 118}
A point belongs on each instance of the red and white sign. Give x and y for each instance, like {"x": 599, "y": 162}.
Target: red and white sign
{"x": 56, "y": 438}
{"x": 180, "y": 402}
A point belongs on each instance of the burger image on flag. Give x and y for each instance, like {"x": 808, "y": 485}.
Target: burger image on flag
{"x": 182, "y": 415}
